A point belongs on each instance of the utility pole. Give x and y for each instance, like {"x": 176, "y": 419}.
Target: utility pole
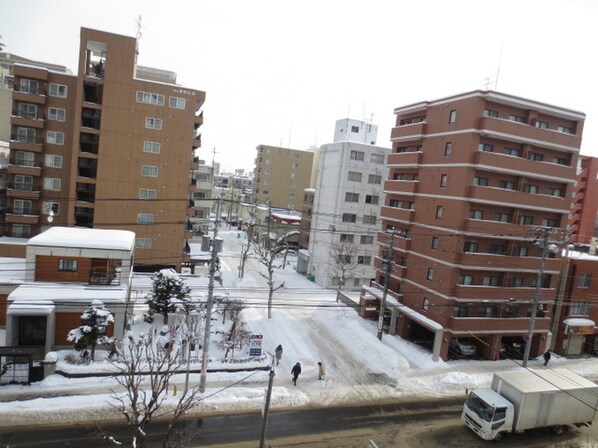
{"x": 208, "y": 324}
{"x": 387, "y": 267}
{"x": 542, "y": 243}
{"x": 267, "y": 405}
{"x": 560, "y": 296}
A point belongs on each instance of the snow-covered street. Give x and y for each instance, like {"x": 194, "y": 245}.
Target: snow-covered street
{"x": 311, "y": 326}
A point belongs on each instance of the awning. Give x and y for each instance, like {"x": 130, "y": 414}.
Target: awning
{"x": 579, "y": 325}
{"x": 39, "y": 308}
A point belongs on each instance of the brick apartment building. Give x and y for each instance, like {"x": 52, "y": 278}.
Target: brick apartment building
{"x": 111, "y": 147}
{"x": 583, "y": 219}
{"x": 471, "y": 177}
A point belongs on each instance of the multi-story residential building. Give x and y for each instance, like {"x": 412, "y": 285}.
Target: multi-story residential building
{"x": 111, "y": 147}
{"x": 203, "y": 178}
{"x": 583, "y": 218}
{"x": 346, "y": 209}
{"x": 350, "y": 130}
{"x": 281, "y": 175}
{"x": 309, "y": 195}
{"x": 471, "y": 176}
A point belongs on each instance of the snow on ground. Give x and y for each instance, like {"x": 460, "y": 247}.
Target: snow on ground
{"x": 311, "y": 326}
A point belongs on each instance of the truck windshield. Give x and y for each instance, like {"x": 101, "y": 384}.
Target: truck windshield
{"x": 480, "y": 407}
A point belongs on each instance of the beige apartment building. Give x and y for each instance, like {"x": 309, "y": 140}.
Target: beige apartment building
{"x": 472, "y": 180}
{"x": 112, "y": 147}
{"x": 281, "y": 175}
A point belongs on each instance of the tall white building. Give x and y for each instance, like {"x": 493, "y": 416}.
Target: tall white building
{"x": 349, "y": 189}
{"x": 349, "y": 130}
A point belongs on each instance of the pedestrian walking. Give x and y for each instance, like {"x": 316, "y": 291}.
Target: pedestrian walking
{"x": 546, "y": 358}
{"x": 278, "y": 354}
{"x": 321, "y": 371}
{"x": 295, "y": 371}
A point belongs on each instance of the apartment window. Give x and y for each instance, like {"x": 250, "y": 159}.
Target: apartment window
{"x": 533, "y": 189}
{"x": 555, "y": 192}
{"x": 21, "y": 230}
{"x": 426, "y": 304}
{"x": 584, "y": 280}
{"x": 549, "y": 222}
{"x": 501, "y": 217}
{"x": 25, "y": 158}
{"x": 23, "y": 182}
{"x": 295, "y": 155}
{"x": 56, "y": 114}
{"x": 497, "y": 249}
{"x": 512, "y": 152}
{"x": 526, "y": 220}
{"x": 268, "y": 161}
{"x": 27, "y": 110}
{"x": 26, "y": 135}
{"x": 452, "y": 116}
{"x": 522, "y": 251}
{"x": 480, "y": 181}
{"x": 372, "y": 199}
{"x": 147, "y": 194}
{"x": 506, "y": 184}
{"x": 366, "y": 239}
{"x": 143, "y": 243}
{"x": 30, "y": 86}
{"x": 346, "y": 237}
{"x": 21, "y": 207}
{"x": 443, "y": 179}
{"x": 439, "y": 211}
{"x": 292, "y": 195}
{"x": 362, "y": 259}
{"x": 560, "y": 160}
{"x": 401, "y": 149}
{"x": 470, "y": 247}
{"x": 485, "y": 147}
{"x": 374, "y": 179}
{"x": 53, "y": 207}
{"x": 149, "y": 171}
{"x": 59, "y": 90}
{"x": 541, "y": 124}
{"x": 516, "y": 118}
{"x": 145, "y": 218}
{"x": 565, "y": 129}
{"x": 491, "y": 280}
{"x": 536, "y": 156}
{"x": 67, "y": 265}
{"x": 476, "y": 214}
{"x": 377, "y": 158}
{"x": 152, "y": 147}
{"x": 55, "y": 138}
{"x": 460, "y": 311}
{"x": 349, "y": 217}
{"x": 294, "y": 175}
{"x": 52, "y": 183}
{"x": 430, "y": 274}
{"x": 395, "y": 203}
{"x": 466, "y": 279}
{"x": 517, "y": 282}
{"x": 403, "y": 262}
{"x": 448, "y": 148}
{"x": 490, "y": 113}
{"x": 294, "y": 165}
{"x": 344, "y": 258}
{"x": 150, "y": 98}
{"x": 177, "y": 103}
{"x": 357, "y": 155}
{"x": 399, "y": 176}
{"x": 356, "y": 281}
{"x": 265, "y": 192}
{"x": 153, "y": 123}
{"x": 435, "y": 242}
{"x": 579, "y": 309}
{"x": 53, "y": 161}
{"x": 355, "y": 129}
{"x": 369, "y": 219}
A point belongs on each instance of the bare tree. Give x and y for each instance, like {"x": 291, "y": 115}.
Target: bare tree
{"x": 236, "y": 337}
{"x": 267, "y": 254}
{"x": 343, "y": 261}
{"x": 245, "y": 249}
{"x": 145, "y": 369}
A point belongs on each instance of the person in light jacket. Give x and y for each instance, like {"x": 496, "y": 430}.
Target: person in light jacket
{"x": 295, "y": 371}
{"x": 321, "y": 371}
{"x": 278, "y": 354}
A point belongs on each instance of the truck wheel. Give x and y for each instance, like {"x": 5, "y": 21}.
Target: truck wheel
{"x": 559, "y": 430}
{"x": 498, "y": 437}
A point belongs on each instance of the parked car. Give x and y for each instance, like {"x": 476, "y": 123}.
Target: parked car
{"x": 463, "y": 346}
{"x": 512, "y": 348}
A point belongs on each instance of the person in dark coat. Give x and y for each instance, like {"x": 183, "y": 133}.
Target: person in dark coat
{"x": 295, "y": 371}
{"x": 278, "y": 354}
{"x": 546, "y": 358}
{"x": 321, "y": 371}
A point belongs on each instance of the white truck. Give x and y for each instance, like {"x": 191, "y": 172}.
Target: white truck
{"x": 526, "y": 399}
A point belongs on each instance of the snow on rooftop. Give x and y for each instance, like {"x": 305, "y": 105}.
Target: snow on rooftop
{"x": 85, "y": 238}
{"x": 59, "y": 292}
{"x": 12, "y": 270}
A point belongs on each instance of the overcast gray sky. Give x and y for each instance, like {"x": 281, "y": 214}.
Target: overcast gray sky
{"x": 282, "y": 72}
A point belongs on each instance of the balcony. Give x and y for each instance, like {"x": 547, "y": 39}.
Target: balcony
{"x": 22, "y": 216}
{"x": 195, "y": 163}
{"x": 24, "y": 167}
{"x": 500, "y": 162}
{"x": 405, "y": 158}
{"x": 488, "y": 227}
{"x": 398, "y": 242}
{"x": 487, "y": 324}
{"x": 23, "y": 191}
{"x": 523, "y": 133}
{"x": 19, "y": 143}
{"x": 91, "y": 118}
{"x": 33, "y": 96}
{"x": 20, "y": 118}
{"x": 196, "y": 140}
{"x": 84, "y": 216}
{"x": 401, "y": 186}
{"x": 518, "y": 199}
{"x": 480, "y": 292}
{"x": 413, "y": 131}
{"x": 478, "y": 260}
{"x": 198, "y": 120}
{"x": 397, "y": 214}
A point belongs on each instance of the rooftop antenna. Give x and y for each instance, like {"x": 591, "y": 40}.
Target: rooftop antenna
{"x": 498, "y": 67}
{"x": 139, "y": 33}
